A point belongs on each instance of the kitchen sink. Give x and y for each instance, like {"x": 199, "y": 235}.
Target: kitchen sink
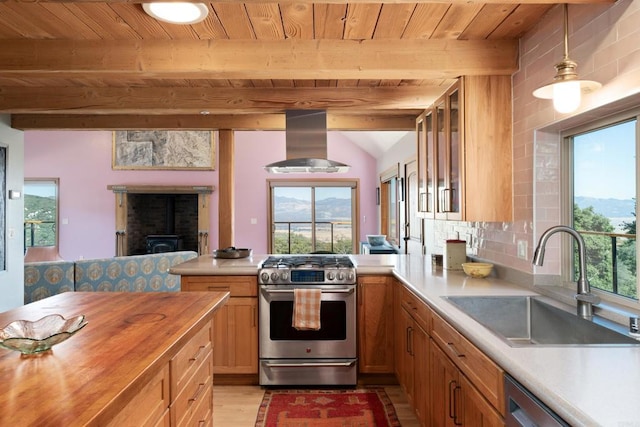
{"x": 527, "y": 321}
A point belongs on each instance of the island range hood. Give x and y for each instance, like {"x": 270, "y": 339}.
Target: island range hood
{"x": 306, "y": 144}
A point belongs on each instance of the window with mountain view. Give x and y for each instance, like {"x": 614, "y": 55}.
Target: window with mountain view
{"x": 312, "y": 217}
{"x": 40, "y": 212}
{"x": 604, "y": 203}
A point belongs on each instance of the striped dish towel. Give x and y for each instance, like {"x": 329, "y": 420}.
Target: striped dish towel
{"x": 306, "y": 309}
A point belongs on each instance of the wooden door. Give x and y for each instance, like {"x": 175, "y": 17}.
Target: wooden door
{"x": 413, "y": 226}
{"x": 235, "y": 349}
{"x": 476, "y": 411}
{"x": 421, "y": 375}
{"x": 406, "y": 330}
{"x": 445, "y": 388}
{"x": 375, "y": 317}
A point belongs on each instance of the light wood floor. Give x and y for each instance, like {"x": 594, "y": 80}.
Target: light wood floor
{"x": 237, "y": 406}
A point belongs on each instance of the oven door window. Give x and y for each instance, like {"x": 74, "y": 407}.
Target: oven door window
{"x": 333, "y": 322}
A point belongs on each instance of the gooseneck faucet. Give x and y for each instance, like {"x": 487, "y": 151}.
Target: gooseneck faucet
{"x": 584, "y": 297}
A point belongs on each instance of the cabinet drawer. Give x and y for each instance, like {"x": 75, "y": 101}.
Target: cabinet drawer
{"x": 238, "y": 286}
{"x": 476, "y": 366}
{"x": 149, "y": 407}
{"x": 416, "y": 308}
{"x": 196, "y": 389}
{"x": 189, "y": 358}
{"x": 202, "y": 414}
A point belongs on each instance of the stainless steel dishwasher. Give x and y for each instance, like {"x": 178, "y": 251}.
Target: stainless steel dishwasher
{"x": 526, "y": 410}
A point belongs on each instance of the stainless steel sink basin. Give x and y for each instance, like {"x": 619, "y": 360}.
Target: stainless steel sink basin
{"x": 528, "y": 321}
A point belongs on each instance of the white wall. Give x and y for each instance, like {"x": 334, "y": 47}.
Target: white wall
{"x": 12, "y": 279}
{"x": 400, "y": 152}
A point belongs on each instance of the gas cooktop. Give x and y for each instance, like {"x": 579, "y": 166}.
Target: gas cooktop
{"x": 307, "y": 270}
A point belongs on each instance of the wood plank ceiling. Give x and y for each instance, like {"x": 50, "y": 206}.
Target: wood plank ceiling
{"x": 90, "y": 64}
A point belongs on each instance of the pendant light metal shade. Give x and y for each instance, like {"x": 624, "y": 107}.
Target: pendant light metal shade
{"x": 566, "y": 89}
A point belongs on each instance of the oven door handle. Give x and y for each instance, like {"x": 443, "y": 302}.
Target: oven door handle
{"x": 309, "y": 364}
{"x": 324, "y": 291}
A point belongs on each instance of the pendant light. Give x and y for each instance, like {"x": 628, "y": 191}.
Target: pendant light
{"x": 566, "y": 89}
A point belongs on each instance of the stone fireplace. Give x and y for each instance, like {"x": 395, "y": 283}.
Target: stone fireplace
{"x": 154, "y": 219}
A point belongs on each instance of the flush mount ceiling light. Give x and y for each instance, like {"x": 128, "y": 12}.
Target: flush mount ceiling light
{"x": 177, "y": 12}
{"x": 566, "y": 89}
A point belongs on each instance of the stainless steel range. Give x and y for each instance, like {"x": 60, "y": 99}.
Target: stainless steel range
{"x": 289, "y": 356}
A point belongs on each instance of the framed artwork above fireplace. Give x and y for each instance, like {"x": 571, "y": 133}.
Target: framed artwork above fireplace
{"x": 164, "y": 149}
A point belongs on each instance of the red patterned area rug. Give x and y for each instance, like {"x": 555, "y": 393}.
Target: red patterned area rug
{"x": 370, "y": 407}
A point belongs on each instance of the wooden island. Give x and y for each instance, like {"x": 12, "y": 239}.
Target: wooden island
{"x": 143, "y": 359}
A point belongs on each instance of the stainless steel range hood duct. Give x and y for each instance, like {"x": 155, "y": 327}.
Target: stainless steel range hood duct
{"x": 306, "y": 144}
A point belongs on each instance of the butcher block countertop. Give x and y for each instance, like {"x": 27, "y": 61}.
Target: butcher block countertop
{"x": 587, "y": 386}
{"x": 90, "y": 377}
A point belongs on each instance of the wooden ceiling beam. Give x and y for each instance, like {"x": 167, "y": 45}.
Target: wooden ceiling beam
{"x": 257, "y": 59}
{"x": 392, "y": 121}
{"x": 187, "y": 100}
{"x": 334, "y": 1}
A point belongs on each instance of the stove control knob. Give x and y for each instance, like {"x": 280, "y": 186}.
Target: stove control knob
{"x": 264, "y": 277}
{"x": 330, "y": 275}
{"x": 284, "y": 276}
{"x": 274, "y": 277}
{"x": 341, "y": 276}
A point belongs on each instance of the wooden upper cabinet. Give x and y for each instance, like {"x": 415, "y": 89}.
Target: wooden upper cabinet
{"x": 449, "y": 150}
{"x": 464, "y": 147}
{"x": 488, "y": 148}
{"x": 425, "y": 152}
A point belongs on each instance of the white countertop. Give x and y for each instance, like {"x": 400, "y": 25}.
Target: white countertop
{"x": 584, "y": 385}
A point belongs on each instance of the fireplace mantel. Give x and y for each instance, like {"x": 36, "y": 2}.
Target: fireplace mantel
{"x": 162, "y": 189}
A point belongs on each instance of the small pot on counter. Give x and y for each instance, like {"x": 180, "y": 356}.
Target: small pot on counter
{"x": 231, "y": 253}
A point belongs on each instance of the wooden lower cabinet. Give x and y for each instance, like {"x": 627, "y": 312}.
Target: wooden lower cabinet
{"x": 441, "y": 391}
{"x": 476, "y": 411}
{"x": 236, "y": 332}
{"x": 421, "y": 346}
{"x": 413, "y": 357}
{"x": 405, "y": 359}
{"x": 375, "y": 325}
{"x": 181, "y": 394}
{"x": 444, "y": 387}
{"x": 235, "y": 349}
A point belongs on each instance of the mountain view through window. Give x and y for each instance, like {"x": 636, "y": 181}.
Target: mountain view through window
{"x": 604, "y": 205}
{"x": 312, "y": 219}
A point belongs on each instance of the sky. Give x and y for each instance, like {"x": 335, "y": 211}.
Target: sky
{"x": 605, "y": 163}
{"x": 304, "y": 193}
{"x": 43, "y": 189}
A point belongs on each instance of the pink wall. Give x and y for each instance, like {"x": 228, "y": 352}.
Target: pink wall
{"x": 82, "y": 162}
{"x": 256, "y": 149}
{"x": 603, "y": 40}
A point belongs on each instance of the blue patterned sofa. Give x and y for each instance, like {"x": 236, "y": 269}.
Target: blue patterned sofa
{"x": 46, "y": 278}
{"x": 135, "y": 273}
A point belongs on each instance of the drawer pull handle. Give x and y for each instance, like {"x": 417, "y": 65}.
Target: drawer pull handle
{"x": 197, "y": 355}
{"x": 453, "y": 348}
{"x": 452, "y": 399}
{"x": 198, "y": 392}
